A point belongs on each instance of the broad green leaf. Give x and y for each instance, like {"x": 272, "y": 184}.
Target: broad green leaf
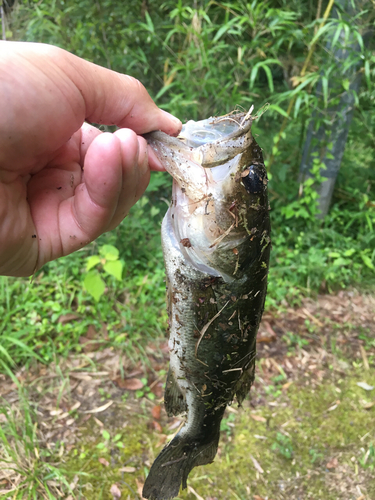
{"x": 366, "y": 259}
{"x": 94, "y": 284}
{"x": 106, "y": 435}
{"x": 109, "y": 252}
{"x": 92, "y": 262}
{"x": 346, "y": 84}
{"x": 114, "y": 268}
{"x": 154, "y": 211}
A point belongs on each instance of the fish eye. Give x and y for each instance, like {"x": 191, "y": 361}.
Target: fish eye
{"x": 254, "y": 182}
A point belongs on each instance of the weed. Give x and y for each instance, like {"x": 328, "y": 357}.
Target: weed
{"x": 368, "y": 459}
{"x": 31, "y": 468}
{"x": 293, "y": 339}
{"x": 283, "y": 446}
{"x": 227, "y": 424}
{"x": 145, "y": 391}
{"x": 106, "y": 443}
{"x": 315, "y": 455}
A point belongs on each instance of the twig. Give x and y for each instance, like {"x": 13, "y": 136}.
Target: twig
{"x": 205, "y": 328}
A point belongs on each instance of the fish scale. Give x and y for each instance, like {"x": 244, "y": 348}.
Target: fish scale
{"x": 216, "y": 246}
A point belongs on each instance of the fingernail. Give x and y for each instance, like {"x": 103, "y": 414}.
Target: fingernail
{"x": 143, "y": 162}
{"x": 176, "y": 122}
{"x": 154, "y": 161}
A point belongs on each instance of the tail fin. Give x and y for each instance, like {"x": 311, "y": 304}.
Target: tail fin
{"x": 174, "y": 463}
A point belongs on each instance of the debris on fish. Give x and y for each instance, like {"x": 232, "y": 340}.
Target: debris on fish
{"x": 216, "y": 244}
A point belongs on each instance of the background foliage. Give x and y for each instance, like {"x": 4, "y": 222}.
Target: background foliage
{"x": 200, "y": 58}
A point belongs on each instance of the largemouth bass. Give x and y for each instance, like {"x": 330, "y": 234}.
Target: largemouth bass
{"x": 216, "y": 244}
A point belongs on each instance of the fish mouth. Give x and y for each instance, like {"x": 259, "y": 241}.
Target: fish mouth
{"x": 215, "y": 129}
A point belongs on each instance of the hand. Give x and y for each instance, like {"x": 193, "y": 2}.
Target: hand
{"x": 62, "y": 181}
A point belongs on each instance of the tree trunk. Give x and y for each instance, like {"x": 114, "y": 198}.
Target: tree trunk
{"x": 328, "y": 130}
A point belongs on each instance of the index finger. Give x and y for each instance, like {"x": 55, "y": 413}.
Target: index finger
{"x": 115, "y": 99}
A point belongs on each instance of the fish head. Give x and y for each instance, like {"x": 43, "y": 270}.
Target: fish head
{"x": 219, "y": 205}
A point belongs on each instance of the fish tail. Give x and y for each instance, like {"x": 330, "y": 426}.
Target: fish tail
{"x": 171, "y": 468}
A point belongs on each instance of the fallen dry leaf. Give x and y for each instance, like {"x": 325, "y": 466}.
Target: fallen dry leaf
{"x": 265, "y": 339}
{"x": 258, "y": 418}
{"x": 257, "y": 464}
{"x": 67, "y": 318}
{"x": 98, "y": 422}
{"x": 191, "y": 490}
{"x": 287, "y": 385}
{"x": 173, "y": 425}
{"x": 75, "y": 406}
{"x": 332, "y": 464}
{"x": 103, "y": 461}
{"x": 269, "y": 329}
{"x": 162, "y": 439}
{"x": 130, "y": 384}
{"x": 158, "y": 389}
{"x": 91, "y": 333}
{"x": 129, "y": 469}
{"x": 73, "y": 484}
{"x": 139, "y": 487}
{"x": 333, "y": 407}
{"x": 257, "y": 497}
{"x": 100, "y": 408}
{"x": 157, "y": 427}
{"x": 365, "y": 386}
{"x": 115, "y": 491}
{"x": 156, "y": 412}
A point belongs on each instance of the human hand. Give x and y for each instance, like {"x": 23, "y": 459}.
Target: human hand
{"x": 62, "y": 181}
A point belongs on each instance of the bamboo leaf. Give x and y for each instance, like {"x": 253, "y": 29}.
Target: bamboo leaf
{"x": 325, "y": 89}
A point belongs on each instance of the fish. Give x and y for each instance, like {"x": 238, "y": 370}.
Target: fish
{"x": 216, "y": 244}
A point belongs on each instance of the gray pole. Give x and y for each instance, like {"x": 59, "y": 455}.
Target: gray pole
{"x": 328, "y": 130}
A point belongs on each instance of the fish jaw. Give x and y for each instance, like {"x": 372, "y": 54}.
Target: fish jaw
{"x": 178, "y": 161}
{"x": 218, "y": 140}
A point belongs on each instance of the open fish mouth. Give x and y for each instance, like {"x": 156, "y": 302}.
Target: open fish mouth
{"x": 195, "y": 134}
